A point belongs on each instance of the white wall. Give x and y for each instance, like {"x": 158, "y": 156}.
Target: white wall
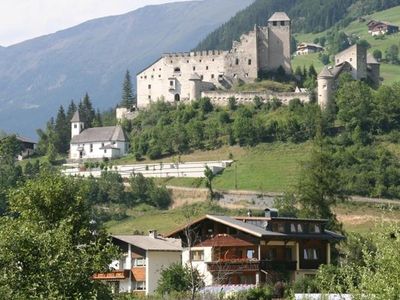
{"x": 201, "y": 266}
{"x": 155, "y": 262}
{"x": 97, "y": 152}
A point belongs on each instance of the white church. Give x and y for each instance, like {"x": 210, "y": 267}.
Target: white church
{"x": 96, "y": 143}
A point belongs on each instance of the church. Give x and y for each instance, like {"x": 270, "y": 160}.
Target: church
{"x": 96, "y": 143}
{"x": 184, "y": 76}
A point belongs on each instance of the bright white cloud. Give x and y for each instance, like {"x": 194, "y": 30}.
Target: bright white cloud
{"x": 24, "y": 19}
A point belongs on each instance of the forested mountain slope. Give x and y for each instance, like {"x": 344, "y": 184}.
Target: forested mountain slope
{"x": 306, "y": 15}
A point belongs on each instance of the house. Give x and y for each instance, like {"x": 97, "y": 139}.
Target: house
{"x": 254, "y": 250}
{"x": 307, "y": 48}
{"x": 380, "y": 28}
{"x": 355, "y": 61}
{"x": 143, "y": 258}
{"x": 27, "y": 147}
{"x": 98, "y": 142}
{"x": 184, "y": 76}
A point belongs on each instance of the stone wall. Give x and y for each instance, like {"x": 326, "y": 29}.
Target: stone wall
{"x": 222, "y": 97}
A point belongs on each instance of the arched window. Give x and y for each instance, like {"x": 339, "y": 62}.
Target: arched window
{"x": 177, "y": 98}
{"x": 177, "y": 70}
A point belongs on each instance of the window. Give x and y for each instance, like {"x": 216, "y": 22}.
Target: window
{"x": 105, "y": 150}
{"x": 200, "y": 60}
{"x": 212, "y": 76}
{"x": 159, "y": 76}
{"x": 197, "y": 255}
{"x": 278, "y": 227}
{"x": 293, "y": 228}
{"x": 145, "y": 77}
{"x": 250, "y": 253}
{"x": 249, "y": 62}
{"x": 310, "y": 254}
{"x": 139, "y": 285}
{"x": 171, "y": 83}
{"x": 152, "y": 76}
{"x": 314, "y": 228}
{"x": 237, "y": 61}
{"x": 271, "y": 254}
{"x": 282, "y": 23}
{"x": 274, "y": 23}
{"x": 75, "y": 126}
{"x": 149, "y": 97}
{"x": 177, "y": 70}
{"x": 194, "y": 68}
{"x": 206, "y": 67}
{"x": 102, "y": 145}
{"x": 149, "y": 86}
{"x": 351, "y": 59}
{"x": 299, "y": 228}
{"x": 139, "y": 262}
{"x": 91, "y": 147}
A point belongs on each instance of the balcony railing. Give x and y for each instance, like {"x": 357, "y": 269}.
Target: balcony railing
{"x": 311, "y": 264}
{"x": 112, "y": 275}
{"x": 250, "y": 265}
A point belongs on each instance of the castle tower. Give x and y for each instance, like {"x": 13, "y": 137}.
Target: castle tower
{"x": 325, "y": 87}
{"x": 279, "y": 35}
{"x": 77, "y": 125}
{"x": 195, "y": 91}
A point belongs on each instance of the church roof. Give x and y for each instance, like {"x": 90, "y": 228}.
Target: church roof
{"x": 100, "y": 134}
{"x": 279, "y": 16}
{"x": 76, "y": 117}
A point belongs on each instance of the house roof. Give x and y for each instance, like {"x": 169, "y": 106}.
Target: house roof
{"x": 100, "y": 134}
{"x": 150, "y": 243}
{"x": 304, "y": 44}
{"x": 76, "y": 117}
{"x": 279, "y": 16}
{"x": 25, "y": 139}
{"x": 261, "y": 232}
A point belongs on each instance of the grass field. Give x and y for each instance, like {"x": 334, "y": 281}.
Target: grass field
{"x": 358, "y": 217}
{"x": 390, "y": 73}
{"x": 266, "y": 167}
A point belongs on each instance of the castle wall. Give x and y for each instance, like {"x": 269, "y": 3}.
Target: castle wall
{"x": 220, "y": 98}
{"x": 356, "y": 56}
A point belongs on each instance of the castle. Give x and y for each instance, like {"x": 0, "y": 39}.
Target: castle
{"x": 185, "y": 76}
{"x": 354, "y": 61}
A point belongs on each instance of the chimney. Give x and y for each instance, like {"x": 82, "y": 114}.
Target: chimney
{"x": 153, "y": 233}
{"x": 271, "y": 212}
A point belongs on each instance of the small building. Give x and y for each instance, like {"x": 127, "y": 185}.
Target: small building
{"x": 96, "y": 143}
{"x": 254, "y": 250}
{"x": 376, "y": 28}
{"x": 307, "y": 48}
{"x": 138, "y": 270}
{"x": 27, "y": 147}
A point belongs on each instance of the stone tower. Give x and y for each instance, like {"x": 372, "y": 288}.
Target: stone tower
{"x": 77, "y": 125}
{"x": 279, "y": 34}
{"x": 326, "y": 81}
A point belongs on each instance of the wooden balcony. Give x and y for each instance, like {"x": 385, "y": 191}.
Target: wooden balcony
{"x": 234, "y": 265}
{"x": 311, "y": 264}
{"x": 278, "y": 265}
{"x": 247, "y": 265}
{"x": 112, "y": 275}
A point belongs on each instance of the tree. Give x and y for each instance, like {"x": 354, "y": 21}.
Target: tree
{"x": 209, "y": 174}
{"x": 377, "y": 54}
{"x": 144, "y": 190}
{"x": 111, "y": 188}
{"x": 62, "y": 131}
{"x": 127, "y": 94}
{"x": 178, "y": 278}
{"x": 86, "y": 111}
{"x": 325, "y": 59}
{"x": 232, "y": 103}
{"x": 52, "y": 234}
{"x": 392, "y": 54}
{"x": 51, "y": 154}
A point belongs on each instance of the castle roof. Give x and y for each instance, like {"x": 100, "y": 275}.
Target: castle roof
{"x": 371, "y": 60}
{"x": 279, "y": 16}
{"x": 100, "y": 134}
{"x": 76, "y": 117}
{"x": 325, "y": 73}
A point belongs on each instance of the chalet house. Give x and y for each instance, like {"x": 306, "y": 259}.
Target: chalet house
{"x": 138, "y": 271}
{"x": 27, "y": 147}
{"x": 96, "y": 143}
{"x": 381, "y": 28}
{"x": 307, "y": 48}
{"x": 253, "y": 250}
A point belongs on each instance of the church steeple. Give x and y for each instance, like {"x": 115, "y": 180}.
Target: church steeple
{"x": 77, "y": 125}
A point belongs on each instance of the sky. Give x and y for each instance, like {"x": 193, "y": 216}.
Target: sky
{"x": 25, "y": 19}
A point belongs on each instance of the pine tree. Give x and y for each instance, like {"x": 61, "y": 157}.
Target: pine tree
{"x": 128, "y": 99}
{"x": 71, "y": 110}
{"x": 86, "y": 111}
{"x": 61, "y": 128}
{"x": 97, "y": 122}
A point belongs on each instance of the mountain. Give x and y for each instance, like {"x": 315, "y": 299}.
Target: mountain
{"x": 38, "y": 75}
{"x": 307, "y": 16}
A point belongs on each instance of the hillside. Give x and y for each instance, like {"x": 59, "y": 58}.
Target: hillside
{"x": 306, "y": 15}
{"x": 390, "y": 73}
{"x": 38, "y": 75}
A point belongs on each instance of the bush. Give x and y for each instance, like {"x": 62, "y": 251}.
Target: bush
{"x": 154, "y": 152}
